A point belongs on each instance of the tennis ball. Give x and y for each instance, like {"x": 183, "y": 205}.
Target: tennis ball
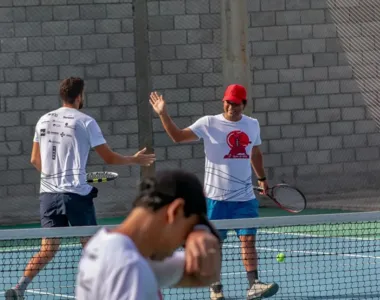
{"x": 280, "y": 257}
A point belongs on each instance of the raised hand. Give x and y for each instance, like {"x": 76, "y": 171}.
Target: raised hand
{"x": 158, "y": 103}
{"x": 144, "y": 159}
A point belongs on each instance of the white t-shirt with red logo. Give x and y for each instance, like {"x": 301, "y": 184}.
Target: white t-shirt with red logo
{"x": 228, "y": 146}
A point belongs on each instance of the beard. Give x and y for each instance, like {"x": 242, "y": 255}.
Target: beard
{"x": 81, "y": 105}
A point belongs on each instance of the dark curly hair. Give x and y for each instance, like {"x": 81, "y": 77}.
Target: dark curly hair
{"x": 70, "y": 88}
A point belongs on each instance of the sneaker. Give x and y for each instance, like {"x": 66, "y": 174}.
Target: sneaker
{"x": 216, "y": 292}
{"x": 261, "y": 290}
{"x": 13, "y": 294}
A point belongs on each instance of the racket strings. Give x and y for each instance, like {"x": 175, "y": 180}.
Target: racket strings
{"x": 100, "y": 175}
{"x": 289, "y": 198}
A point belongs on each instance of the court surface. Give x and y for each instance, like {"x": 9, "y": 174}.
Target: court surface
{"x": 316, "y": 267}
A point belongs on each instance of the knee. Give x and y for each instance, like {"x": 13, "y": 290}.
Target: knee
{"x": 248, "y": 241}
{"x": 48, "y": 250}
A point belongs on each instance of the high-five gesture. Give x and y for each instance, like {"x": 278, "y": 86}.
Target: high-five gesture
{"x": 144, "y": 159}
{"x": 158, "y": 103}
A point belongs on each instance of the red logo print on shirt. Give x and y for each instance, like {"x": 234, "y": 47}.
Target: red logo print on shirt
{"x": 238, "y": 141}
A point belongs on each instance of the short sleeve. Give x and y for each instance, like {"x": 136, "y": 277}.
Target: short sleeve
{"x": 199, "y": 127}
{"x": 257, "y": 140}
{"x": 36, "y": 137}
{"x": 95, "y": 134}
{"x": 169, "y": 271}
{"x": 130, "y": 283}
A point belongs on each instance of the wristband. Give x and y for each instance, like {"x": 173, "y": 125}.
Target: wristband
{"x": 209, "y": 229}
{"x": 202, "y": 227}
{"x": 262, "y": 179}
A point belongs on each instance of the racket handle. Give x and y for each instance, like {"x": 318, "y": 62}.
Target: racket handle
{"x": 259, "y": 189}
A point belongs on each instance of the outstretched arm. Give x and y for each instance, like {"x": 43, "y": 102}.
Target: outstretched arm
{"x": 176, "y": 134}
{"x": 99, "y": 144}
{"x": 112, "y": 158}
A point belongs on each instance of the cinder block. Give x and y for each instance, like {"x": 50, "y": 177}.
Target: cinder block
{"x": 304, "y": 116}
{"x": 342, "y": 128}
{"x": 291, "y": 103}
{"x": 303, "y": 88}
{"x": 330, "y": 142}
{"x": 278, "y": 90}
{"x": 266, "y": 104}
{"x": 279, "y": 118}
{"x": 293, "y": 131}
{"x": 321, "y": 129}
{"x": 67, "y": 12}
{"x": 319, "y": 157}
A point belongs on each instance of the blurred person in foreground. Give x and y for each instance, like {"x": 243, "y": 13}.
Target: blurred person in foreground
{"x": 137, "y": 258}
{"x": 62, "y": 141}
{"x": 231, "y": 144}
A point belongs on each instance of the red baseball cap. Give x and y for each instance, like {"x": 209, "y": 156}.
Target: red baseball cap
{"x": 235, "y": 93}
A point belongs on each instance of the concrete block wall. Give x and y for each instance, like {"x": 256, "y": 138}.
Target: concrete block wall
{"x": 316, "y": 129}
{"x": 186, "y": 68}
{"x": 43, "y": 42}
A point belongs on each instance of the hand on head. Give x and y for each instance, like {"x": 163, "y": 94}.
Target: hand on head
{"x": 203, "y": 255}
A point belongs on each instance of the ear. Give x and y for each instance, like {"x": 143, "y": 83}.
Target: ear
{"x": 175, "y": 210}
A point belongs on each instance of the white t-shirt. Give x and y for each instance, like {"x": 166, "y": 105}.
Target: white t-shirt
{"x": 112, "y": 268}
{"x": 227, "y": 146}
{"x": 66, "y": 136}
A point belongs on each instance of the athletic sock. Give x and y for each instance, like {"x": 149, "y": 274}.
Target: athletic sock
{"x": 216, "y": 287}
{"x": 23, "y": 284}
{"x": 252, "y": 276}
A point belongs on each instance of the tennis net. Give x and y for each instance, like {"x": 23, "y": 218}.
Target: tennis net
{"x": 326, "y": 257}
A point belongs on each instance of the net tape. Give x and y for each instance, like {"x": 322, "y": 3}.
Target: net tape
{"x": 326, "y": 257}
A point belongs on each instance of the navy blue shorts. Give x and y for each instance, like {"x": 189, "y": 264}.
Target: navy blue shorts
{"x": 64, "y": 209}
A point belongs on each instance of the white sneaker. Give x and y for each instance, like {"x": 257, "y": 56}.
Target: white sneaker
{"x": 217, "y": 295}
{"x": 14, "y": 294}
{"x": 261, "y": 290}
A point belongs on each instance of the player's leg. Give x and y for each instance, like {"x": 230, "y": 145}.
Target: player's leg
{"x": 80, "y": 211}
{"x": 247, "y": 236}
{"x": 50, "y": 207}
{"x": 217, "y": 210}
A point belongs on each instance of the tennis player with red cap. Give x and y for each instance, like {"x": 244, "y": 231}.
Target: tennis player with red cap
{"x": 231, "y": 142}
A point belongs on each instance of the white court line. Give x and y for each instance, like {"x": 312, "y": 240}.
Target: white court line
{"x": 306, "y": 252}
{"x": 50, "y": 294}
{"x": 319, "y": 236}
{"x": 36, "y": 248}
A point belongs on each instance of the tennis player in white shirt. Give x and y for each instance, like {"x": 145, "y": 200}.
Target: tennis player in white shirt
{"x": 231, "y": 143}
{"x": 62, "y": 142}
{"x": 137, "y": 258}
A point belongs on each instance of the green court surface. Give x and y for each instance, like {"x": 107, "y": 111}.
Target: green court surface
{"x": 323, "y": 261}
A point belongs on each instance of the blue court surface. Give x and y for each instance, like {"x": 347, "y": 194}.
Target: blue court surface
{"x": 342, "y": 264}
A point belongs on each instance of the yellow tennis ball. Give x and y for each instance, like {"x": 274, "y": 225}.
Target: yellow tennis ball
{"x": 280, "y": 257}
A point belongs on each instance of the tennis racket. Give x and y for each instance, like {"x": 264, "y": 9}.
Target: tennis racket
{"x": 103, "y": 176}
{"x": 286, "y": 197}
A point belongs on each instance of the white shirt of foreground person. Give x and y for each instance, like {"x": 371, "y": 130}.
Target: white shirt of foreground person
{"x": 111, "y": 268}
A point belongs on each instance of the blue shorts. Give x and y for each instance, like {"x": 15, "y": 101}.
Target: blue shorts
{"x": 219, "y": 210}
{"x": 64, "y": 209}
